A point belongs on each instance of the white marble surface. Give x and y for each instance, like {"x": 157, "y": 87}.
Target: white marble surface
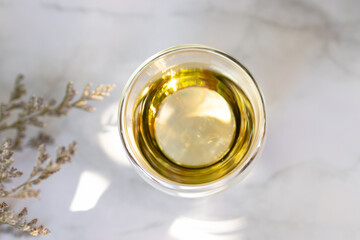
{"x": 305, "y": 56}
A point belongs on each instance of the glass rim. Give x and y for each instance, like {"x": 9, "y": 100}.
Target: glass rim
{"x": 180, "y": 189}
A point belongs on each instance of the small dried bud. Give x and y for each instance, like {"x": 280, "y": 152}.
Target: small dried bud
{"x": 86, "y": 89}
{"x": 96, "y": 97}
{"x": 36, "y": 122}
{"x": 23, "y": 213}
{"x": 52, "y": 102}
{"x": 42, "y": 155}
{"x": 80, "y": 104}
{"x": 32, "y": 222}
{"x": 19, "y": 89}
{"x": 72, "y": 148}
{"x": 14, "y": 173}
{"x": 39, "y": 231}
{"x": 70, "y": 91}
{"x": 4, "y": 113}
{"x": 88, "y": 108}
{"x": 3, "y": 205}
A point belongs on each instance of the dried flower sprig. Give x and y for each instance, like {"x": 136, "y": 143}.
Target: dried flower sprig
{"x": 43, "y": 168}
{"x": 18, "y": 221}
{"x": 32, "y": 112}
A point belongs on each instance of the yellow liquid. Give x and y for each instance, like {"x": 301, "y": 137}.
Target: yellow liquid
{"x": 192, "y": 125}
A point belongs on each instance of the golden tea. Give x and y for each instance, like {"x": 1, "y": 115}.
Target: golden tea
{"x": 192, "y": 124}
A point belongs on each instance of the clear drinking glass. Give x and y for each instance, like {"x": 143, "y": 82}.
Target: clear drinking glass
{"x": 192, "y": 120}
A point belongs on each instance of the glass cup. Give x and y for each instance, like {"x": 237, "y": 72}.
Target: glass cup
{"x": 192, "y": 120}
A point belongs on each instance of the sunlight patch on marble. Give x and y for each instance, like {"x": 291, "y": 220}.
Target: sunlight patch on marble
{"x": 188, "y": 228}
{"x": 90, "y": 188}
{"x": 109, "y": 139}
